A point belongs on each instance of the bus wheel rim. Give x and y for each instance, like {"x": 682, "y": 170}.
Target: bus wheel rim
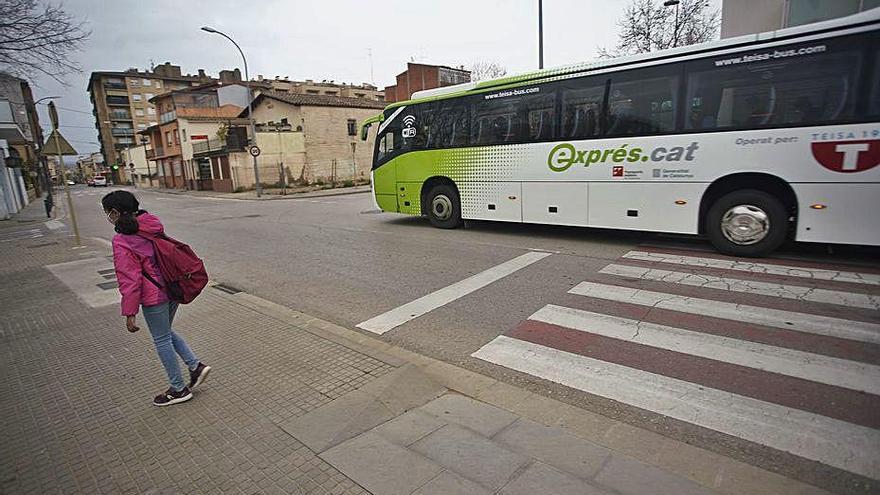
{"x": 745, "y": 225}
{"x": 441, "y": 207}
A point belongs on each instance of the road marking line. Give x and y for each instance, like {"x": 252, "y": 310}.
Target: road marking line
{"x": 744, "y": 266}
{"x": 851, "y": 299}
{"x": 843, "y": 373}
{"x": 843, "y": 445}
{"x": 409, "y": 311}
{"x": 789, "y": 320}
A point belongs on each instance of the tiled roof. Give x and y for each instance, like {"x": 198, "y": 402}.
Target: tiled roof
{"x": 321, "y": 100}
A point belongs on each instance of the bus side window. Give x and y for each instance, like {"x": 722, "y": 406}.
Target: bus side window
{"x": 581, "y": 108}
{"x": 540, "y": 116}
{"x": 642, "y": 105}
{"x": 801, "y": 90}
{"x": 450, "y": 128}
{"x": 496, "y": 121}
{"x": 874, "y": 104}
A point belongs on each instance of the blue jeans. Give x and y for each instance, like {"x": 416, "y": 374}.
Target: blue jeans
{"x": 169, "y": 345}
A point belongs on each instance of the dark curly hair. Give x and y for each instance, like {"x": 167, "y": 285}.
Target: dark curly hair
{"x": 128, "y": 207}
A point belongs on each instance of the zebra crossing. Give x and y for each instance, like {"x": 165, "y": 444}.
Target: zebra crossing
{"x": 782, "y": 354}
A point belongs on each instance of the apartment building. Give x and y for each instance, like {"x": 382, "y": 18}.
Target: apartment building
{"x": 328, "y": 88}
{"x": 417, "y": 77}
{"x": 740, "y": 17}
{"x": 122, "y": 107}
{"x": 187, "y": 117}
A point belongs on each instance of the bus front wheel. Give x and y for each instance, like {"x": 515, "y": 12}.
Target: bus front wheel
{"x": 444, "y": 207}
{"x": 748, "y": 222}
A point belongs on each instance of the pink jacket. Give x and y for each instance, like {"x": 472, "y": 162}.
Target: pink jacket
{"x": 132, "y": 254}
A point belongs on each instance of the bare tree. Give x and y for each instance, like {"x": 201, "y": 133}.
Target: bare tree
{"x": 483, "y": 70}
{"x": 648, "y": 25}
{"x": 38, "y": 40}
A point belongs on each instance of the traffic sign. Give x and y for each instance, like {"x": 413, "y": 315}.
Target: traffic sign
{"x": 254, "y": 150}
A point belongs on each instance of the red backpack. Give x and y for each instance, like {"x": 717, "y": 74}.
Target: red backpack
{"x": 183, "y": 272}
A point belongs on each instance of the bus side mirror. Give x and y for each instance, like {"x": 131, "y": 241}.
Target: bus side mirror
{"x": 365, "y": 129}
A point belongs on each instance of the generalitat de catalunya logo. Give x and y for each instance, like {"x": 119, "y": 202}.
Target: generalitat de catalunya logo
{"x": 847, "y": 156}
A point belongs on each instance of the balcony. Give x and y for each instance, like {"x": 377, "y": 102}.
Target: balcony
{"x": 122, "y": 132}
{"x": 117, "y": 101}
{"x": 212, "y": 147}
{"x": 154, "y": 153}
{"x": 114, "y": 84}
{"x": 120, "y": 115}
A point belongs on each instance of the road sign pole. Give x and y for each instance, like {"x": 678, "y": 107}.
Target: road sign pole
{"x": 67, "y": 192}
{"x": 53, "y": 116}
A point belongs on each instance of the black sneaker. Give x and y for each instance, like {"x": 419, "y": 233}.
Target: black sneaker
{"x": 198, "y": 375}
{"x": 172, "y": 396}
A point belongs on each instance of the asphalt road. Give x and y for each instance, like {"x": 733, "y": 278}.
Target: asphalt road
{"x": 337, "y": 259}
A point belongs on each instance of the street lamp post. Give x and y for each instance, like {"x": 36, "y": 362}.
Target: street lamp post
{"x": 670, "y": 3}
{"x": 253, "y": 127}
{"x": 149, "y": 172}
{"x": 540, "y": 34}
{"x": 44, "y": 162}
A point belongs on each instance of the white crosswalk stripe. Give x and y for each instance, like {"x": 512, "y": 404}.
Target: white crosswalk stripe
{"x": 789, "y": 320}
{"x": 816, "y": 421}
{"x": 821, "y": 369}
{"x": 800, "y": 293}
{"x": 752, "y": 267}
{"x": 843, "y": 445}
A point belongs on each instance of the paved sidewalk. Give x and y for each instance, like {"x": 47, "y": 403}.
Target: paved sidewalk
{"x": 295, "y": 405}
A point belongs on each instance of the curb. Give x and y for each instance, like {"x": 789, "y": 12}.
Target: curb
{"x": 309, "y": 194}
{"x": 709, "y": 469}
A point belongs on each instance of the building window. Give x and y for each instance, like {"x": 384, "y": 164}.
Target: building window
{"x": 148, "y": 82}
{"x": 168, "y": 138}
{"x": 183, "y": 131}
{"x": 139, "y": 112}
{"x": 151, "y": 111}
{"x": 360, "y": 95}
{"x": 142, "y": 126}
{"x": 352, "y": 127}
{"x": 158, "y": 84}
{"x": 176, "y": 137}
{"x": 136, "y": 97}
{"x": 134, "y": 82}
{"x": 312, "y": 91}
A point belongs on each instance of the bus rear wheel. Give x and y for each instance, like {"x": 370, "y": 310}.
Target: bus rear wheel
{"x": 444, "y": 207}
{"x": 748, "y": 222}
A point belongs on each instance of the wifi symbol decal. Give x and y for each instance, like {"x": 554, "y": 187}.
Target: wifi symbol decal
{"x": 409, "y": 120}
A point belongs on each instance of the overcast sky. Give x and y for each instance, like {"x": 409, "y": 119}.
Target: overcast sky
{"x": 321, "y": 39}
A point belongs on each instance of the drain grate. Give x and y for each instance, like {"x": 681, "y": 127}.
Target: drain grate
{"x": 106, "y": 271}
{"x": 108, "y": 285}
{"x": 227, "y": 288}
{"x": 44, "y": 244}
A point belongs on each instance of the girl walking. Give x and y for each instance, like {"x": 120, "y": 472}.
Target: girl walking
{"x": 140, "y": 282}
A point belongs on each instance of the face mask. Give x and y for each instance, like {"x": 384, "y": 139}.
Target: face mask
{"x": 110, "y": 218}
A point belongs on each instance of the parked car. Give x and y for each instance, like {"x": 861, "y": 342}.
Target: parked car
{"x": 90, "y": 182}
{"x": 71, "y": 182}
{"x": 100, "y": 180}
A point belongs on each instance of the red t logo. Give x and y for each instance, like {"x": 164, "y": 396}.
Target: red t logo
{"x": 848, "y": 156}
{"x": 617, "y": 171}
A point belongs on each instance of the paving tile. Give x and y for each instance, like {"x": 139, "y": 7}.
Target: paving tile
{"x": 478, "y": 416}
{"x": 554, "y": 446}
{"x": 448, "y": 483}
{"x": 408, "y": 428}
{"x": 381, "y": 466}
{"x": 471, "y": 456}
{"x": 543, "y": 479}
{"x": 630, "y": 477}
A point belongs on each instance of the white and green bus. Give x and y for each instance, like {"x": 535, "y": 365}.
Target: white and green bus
{"x": 748, "y": 141}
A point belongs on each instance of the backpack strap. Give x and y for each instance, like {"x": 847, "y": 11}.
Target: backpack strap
{"x": 152, "y": 239}
{"x": 151, "y": 279}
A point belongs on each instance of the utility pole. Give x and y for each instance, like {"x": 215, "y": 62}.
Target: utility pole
{"x": 670, "y": 3}
{"x": 253, "y": 126}
{"x": 540, "y": 34}
{"x": 53, "y": 116}
{"x": 149, "y": 172}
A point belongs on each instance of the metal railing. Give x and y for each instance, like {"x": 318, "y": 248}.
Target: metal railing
{"x": 231, "y": 143}
{"x": 155, "y": 152}
{"x": 122, "y": 132}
